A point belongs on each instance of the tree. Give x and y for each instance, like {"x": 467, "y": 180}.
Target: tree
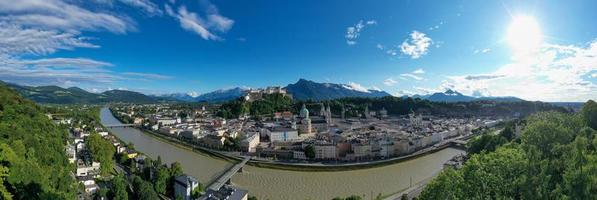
{"x": 310, "y": 151}
{"x": 404, "y": 197}
{"x": 197, "y": 191}
{"x": 508, "y": 131}
{"x": 555, "y": 158}
{"x": 102, "y": 193}
{"x": 119, "y": 188}
{"x": 143, "y": 189}
{"x": 161, "y": 181}
{"x": 4, "y": 194}
{"x": 589, "y": 113}
{"x": 33, "y": 163}
{"x": 487, "y": 142}
{"x": 101, "y": 150}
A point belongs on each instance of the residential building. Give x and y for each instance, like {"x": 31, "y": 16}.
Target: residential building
{"x": 84, "y": 169}
{"x": 282, "y": 134}
{"x": 227, "y": 192}
{"x": 250, "y": 143}
{"x": 184, "y": 186}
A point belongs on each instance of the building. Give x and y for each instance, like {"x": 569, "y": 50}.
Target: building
{"x": 189, "y": 134}
{"x": 257, "y": 94}
{"x": 325, "y": 151}
{"x": 282, "y": 134}
{"x": 214, "y": 141}
{"x": 138, "y": 121}
{"x": 227, "y": 192}
{"x": 71, "y": 153}
{"x": 305, "y": 121}
{"x": 361, "y": 150}
{"x": 89, "y": 184}
{"x": 84, "y": 169}
{"x": 299, "y": 155}
{"x": 383, "y": 113}
{"x": 250, "y": 143}
{"x": 184, "y": 186}
{"x": 131, "y": 153}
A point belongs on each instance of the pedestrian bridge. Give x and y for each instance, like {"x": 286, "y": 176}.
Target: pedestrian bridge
{"x": 118, "y": 125}
{"x": 225, "y": 178}
{"x": 459, "y": 144}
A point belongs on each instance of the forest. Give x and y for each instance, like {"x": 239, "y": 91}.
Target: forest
{"x": 33, "y": 164}
{"x": 555, "y": 157}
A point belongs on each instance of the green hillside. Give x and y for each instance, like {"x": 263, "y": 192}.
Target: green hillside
{"x": 75, "y": 95}
{"x": 33, "y": 164}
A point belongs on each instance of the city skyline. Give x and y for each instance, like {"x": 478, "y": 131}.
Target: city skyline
{"x": 533, "y": 50}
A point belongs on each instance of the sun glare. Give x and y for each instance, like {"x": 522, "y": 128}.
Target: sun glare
{"x": 524, "y": 35}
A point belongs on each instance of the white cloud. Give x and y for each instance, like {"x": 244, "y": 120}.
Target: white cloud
{"x": 371, "y": 22}
{"x": 60, "y": 15}
{"x": 390, "y": 82}
{"x": 147, "y": 6}
{"x": 419, "y": 71}
{"x": 148, "y": 75}
{"x": 553, "y": 73}
{"x": 379, "y": 46}
{"x": 353, "y": 32}
{"x": 193, "y": 94}
{"x": 482, "y": 51}
{"x": 417, "y": 45}
{"x": 424, "y": 91}
{"x": 356, "y": 87}
{"x": 220, "y": 22}
{"x": 204, "y": 27}
{"x": 55, "y": 71}
{"x": 15, "y": 39}
{"x": 411, "y": 76}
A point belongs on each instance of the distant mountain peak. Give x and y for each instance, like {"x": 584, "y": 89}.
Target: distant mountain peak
{"x": 452, "y": 93}
{"x": 305, "y": 89}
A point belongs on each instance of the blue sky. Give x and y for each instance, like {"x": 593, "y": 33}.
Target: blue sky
{"x": 402, "y": 47}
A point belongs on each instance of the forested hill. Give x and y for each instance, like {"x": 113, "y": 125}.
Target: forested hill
{"x": 555, "y": 157}
{"x": 33, "y": 164}
{"x": 75, "y": 95}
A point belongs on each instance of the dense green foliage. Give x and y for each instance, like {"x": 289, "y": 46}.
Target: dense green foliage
{"x": 486, "y": 142}
{"x": 269, "y": 104}
{"x": 33, "y": 164}
{"x": 143, "y": 190}
{"x": 402, "y": 106}
{"x": 355, "y": 106}
{"x": 102, "y": 151}
{"x": 352, "y": 197}
{"x": 118, "y": 190}
{"x": 587, "y": 112}
{"x": 555, "y": 158}
{"x": 310, "y": 151}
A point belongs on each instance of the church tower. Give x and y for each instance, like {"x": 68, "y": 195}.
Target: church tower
{"x": 305, "y": 126}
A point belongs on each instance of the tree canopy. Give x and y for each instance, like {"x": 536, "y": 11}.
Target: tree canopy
{"x": 33, "y": 163}
{"x": 556, "y": 158}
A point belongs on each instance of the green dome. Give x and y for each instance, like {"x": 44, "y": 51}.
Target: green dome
{"x": 304, "y": 112}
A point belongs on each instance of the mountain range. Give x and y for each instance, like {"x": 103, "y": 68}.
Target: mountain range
{"x": 305, "y": 90}
{"x": 75, "y": 95}
{"x": 454, "y": 96}
{"x": 301, "y": 90}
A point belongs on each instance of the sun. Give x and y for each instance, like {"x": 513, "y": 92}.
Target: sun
{"x": 524, "y": 35}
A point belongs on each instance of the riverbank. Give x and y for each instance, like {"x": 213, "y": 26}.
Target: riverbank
{"x": 280, "y": 165}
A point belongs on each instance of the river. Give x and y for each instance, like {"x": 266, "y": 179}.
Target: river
{"x": 282, "y": 184}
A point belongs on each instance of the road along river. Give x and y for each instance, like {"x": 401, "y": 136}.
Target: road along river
{"x": 282, "y": 184}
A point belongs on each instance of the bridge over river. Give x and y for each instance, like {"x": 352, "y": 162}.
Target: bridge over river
{"x": 225, "y": 178}
{"x": 118, "y": 125}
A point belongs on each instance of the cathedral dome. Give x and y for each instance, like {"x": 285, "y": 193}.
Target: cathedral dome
{"x": 304, "y": 112}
